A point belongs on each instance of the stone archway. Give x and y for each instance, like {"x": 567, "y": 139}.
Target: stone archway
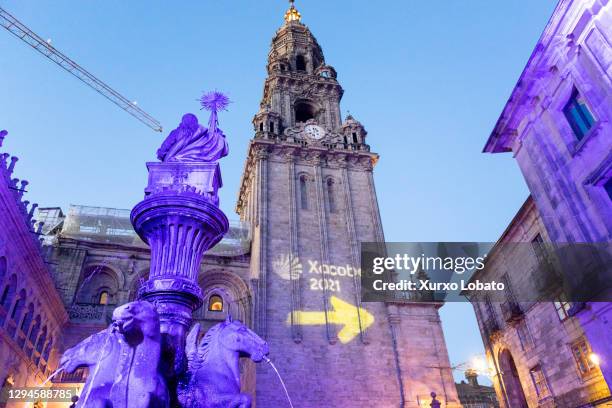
{"x": 232, "y": 289}
{"x": 511, "y": 380}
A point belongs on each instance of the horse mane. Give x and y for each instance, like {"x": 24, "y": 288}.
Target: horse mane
{"x": 209, "y": 341}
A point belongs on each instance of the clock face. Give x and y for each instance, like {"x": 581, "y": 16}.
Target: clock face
{"x": 314, "y": 132}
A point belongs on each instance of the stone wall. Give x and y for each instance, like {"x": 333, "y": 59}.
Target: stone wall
{"x": 298, "y": 240}
{"x": 31, "y": 311}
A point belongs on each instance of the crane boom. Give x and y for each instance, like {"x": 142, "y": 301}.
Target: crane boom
{"x": 22, "y": 32}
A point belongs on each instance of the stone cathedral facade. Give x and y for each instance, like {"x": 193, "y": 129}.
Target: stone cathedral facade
{"x": 290, "y": 268}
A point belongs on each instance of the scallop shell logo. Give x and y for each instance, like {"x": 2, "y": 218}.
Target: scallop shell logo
{"x": 287, "y": 266}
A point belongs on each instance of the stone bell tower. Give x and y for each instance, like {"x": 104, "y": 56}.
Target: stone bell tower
{"x": 308, "y": 193}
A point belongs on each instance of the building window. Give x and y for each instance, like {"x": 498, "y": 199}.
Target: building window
{"x": 215, "y": 303}
{"x": 330, "y": 195}
{"x": 35, "y": 329}
{"x": 524, "y": 336}
{"x": 355, "y": 138}
{"x": 539, "y": 381}
{"x": 304, "y": 111}
{"x": 578, "y": 115}
{"x": 608, "y": 187}
{"x": 19, "y": 306}
{"x": 9, "y": 293}
{"x": 261, "y": 127}
{"x": 300, "y": 63}
{"x": 582, "y": 354}
{"x": 103, "y": 298}
{"x": 562, "y": 306}
{"x": 303, "y": 193}
{"x": 271, "y": 127}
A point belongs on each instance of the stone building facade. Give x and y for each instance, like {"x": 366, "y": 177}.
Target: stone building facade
{"x": 31, "y": 311}
{"x": 539, "y": 354}
{"x": 558, "y": 126}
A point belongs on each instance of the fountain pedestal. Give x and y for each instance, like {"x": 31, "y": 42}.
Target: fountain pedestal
{"x": 180, "y": 220}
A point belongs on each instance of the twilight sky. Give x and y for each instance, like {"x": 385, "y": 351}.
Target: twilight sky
{"x": 427, "y": 79}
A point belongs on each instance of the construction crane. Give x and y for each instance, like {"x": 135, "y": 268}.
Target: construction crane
{"x": 22, "y": 32}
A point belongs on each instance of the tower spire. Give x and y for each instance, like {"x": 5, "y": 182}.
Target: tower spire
{"x": 292, "y": 14}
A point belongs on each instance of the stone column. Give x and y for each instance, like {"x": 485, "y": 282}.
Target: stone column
{"x": 179, "y": 219}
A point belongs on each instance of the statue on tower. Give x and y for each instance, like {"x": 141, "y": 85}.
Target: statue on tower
{"x": 192, "y": 142}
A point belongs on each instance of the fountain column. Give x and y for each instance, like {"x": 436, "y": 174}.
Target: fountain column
{"x": 180, "y": 220}
{"x": 179, "y": 226}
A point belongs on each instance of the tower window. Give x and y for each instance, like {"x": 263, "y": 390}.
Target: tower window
{"x": 355, "y": 138}
{"x": 303, "y": 193}
{"x": 272, "y": 127}
{"x": 578, "y": 115}
{"x": 261, "y": 127}
{"x": 330, "y": 195}
{"x": 304, "y": 111}
{"x": 215, "y": 303}
{"x": 300, "y": 63}
{"x": 103, "y": 298}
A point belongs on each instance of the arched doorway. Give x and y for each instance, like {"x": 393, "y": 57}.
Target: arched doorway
{"x": 511, "y": 381}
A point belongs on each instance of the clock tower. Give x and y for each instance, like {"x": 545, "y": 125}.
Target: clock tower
{"x": 308, "y": 194}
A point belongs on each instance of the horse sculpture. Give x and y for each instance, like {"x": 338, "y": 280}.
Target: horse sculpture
{"x": 123, "y": 361}
{"x": 97, "y": 351}
{"x": 212, "y": 379}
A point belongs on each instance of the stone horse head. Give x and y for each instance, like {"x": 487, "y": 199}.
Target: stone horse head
{"x": 123, "y": 361}
{"x": 213, "y": 376}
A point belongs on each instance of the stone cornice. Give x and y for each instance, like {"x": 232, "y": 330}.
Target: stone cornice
{"x": 282, "y": 152}
{"x": 561, "y": 35}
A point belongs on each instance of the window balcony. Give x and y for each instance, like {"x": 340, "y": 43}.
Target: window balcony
{"x": 78, "y": 376}
{"x": 91, "y": 313}
{"x": 511, "y": 311}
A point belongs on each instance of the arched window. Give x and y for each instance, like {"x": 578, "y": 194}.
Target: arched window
{"x": 103, "y": 298}
{"x": 27, "y": 320}
{"x": 96, "y": 279}
{"x": 304, "y": 111}
{"x": 271, "y": 127}
{"x": 2, "y": 268}
{"x": 35, "y": 329}
{"x": 330, "y": 195}
{"x": 41, "y": 340}
{"x": 303, "y": 193}
{"x": 215, "y": 303}
{"x": 19, "y": 306}
{"x": 300, "y": 63}
{"x": 261, "y": 127}
{"x": 8, "y": 294}
{"x": 47, "y": 351}
{"x": 355, "y": 140}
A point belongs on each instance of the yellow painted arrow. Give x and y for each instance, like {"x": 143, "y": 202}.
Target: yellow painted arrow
{"x": 343, "y": 313}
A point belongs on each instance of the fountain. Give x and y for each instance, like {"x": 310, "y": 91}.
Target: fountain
{"x": 141, "y": 360}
